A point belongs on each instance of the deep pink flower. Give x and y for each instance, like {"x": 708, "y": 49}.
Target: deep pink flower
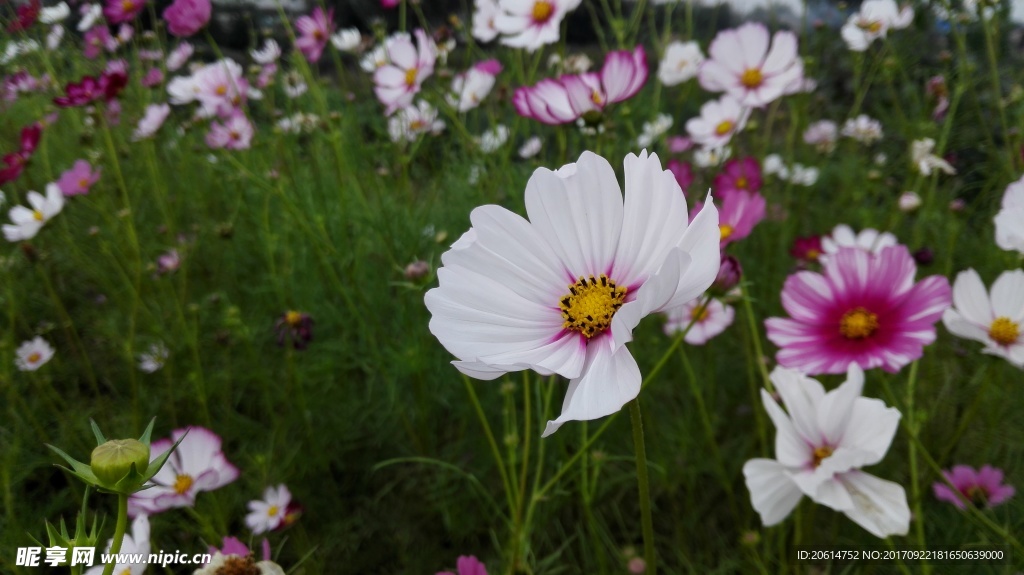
{"x": 570, "y": 97}
{"x": 14, "y": 163}
{"x": 186, "y": 17}
{"x": 683, "y": 171}
{"x": 864, "y": 309}
{"x": 78, "y": 179}
{"x": 27, "y": 14}
{"x": 315, "y": 31}
{"x": 806, "y": 249}
{"x": 739, "y": 176}
{"x": 738, "y": 215}
{"x": 154, "y": 77}
{"x": 388, "y": 4}
{"x": 96, "y": 39}
{"x": 983, "y": 488}
{"x": 117, "y": 11}
{"x": 80, "y": 93}
{"x": 111, "y": 83}
{"x": 467, "y": 565}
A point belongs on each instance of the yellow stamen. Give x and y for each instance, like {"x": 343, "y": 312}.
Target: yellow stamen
{"x": 293, "y": 318}
{"x": 590, "y": 304}
{"x": 813, "y": 254}
{"x": 127, "y": 5}
{"x": 858, "y": 323}
{"x": 723, "y": 128}
{"x": 37, "y": 215}
{"x": 1004, "y": 331}
{"x": 699, "y": 314}
{"x": 872, "y": 27}
{"x": 410, "y": 77}
{"x": 596, "y": 98}
{"x": 221, "y": 90}
{"x": 182, "y": 484}
{"x": 272, "y": 511}
{"x": 741, "y": 183}
{"x": 724, "y": 230}
{"x": 752, "y": 78}
{"x": 820, "y": 454}
{"x": 34, "y": 357}
{"x": 542, "y": 11}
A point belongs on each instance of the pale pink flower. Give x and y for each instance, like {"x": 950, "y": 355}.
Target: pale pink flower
{"x": 153, "y": 78}
{"x": 151, "y": 121}
{"x": 78, "y": 179}
{"x": 235, "y": 133}
{"x": 741, "y": 64}
{"x": 708, "y": 318}
{"x": 398, "y": 81}
{"x": 531, "y": 24}
{"x": 177, "y": 58}
{"x": 315, "y": 31}
{"x": 719, "y": 120}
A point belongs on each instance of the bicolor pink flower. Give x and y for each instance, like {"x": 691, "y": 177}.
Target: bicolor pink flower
{"x": 186, "y": 17}
{"x": 739, "y": 176}
{"x": 117, "y": 11}
{"x": 562, "y": 292}
{"x": 314, "y": 33}
{"x": 397, "y": 82}
{"x": 741, "y": 65}
{"x": 706, "y": 319}
{"x": 467, "y": 565}
{"x": 531, "y": 24}
{"x": 568, "y": 98}
{"x": 220, "y": 88}
{"x": 863, "y": 309}
{"x": 198, "y": 464}
{"x": 719, "y": 120}
{"x": 235, "y": 133}
{"x": 996, "y": 319}
{"x": 78, "y": 179}
{"x": 983, "y": 487}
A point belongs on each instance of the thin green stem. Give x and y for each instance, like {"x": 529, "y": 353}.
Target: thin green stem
{"x": 498, "y": 460}
{"x": 915, "y": 488}
{"x": 119, "y": 531}
{"x": 645, "y": 491}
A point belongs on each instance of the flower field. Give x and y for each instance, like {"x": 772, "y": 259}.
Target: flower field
{"x": 521, "y": 287}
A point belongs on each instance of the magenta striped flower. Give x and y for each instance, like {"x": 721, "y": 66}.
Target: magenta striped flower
{"x": 863, "y": 309}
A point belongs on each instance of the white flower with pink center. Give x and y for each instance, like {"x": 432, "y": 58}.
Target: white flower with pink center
{"x": 398, "y": 81}
{"x": 741, "y": 64}
{"x": 706, "y": 319}
{"x": 531, "y": 24}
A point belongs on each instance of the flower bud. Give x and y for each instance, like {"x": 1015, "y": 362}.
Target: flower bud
{"x": 113, "y": 460}
{"x": 417, "y": 270}
{"x": 729, "y": 274}
{"x": 909, "y": 201}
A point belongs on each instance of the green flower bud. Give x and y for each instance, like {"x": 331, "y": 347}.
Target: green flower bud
{"x": 113, "y": 460}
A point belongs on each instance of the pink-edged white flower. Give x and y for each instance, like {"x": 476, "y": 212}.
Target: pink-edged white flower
{"x": 198, "y": 464}
{"x": 822, "y": 442}
{"x": 530, "y": 148}
{"x": 266, "y": 54}
{"x": 531, "y": 24}
{"x": 822, "y": 135}
{"x": 996, "y": 320}
{"x": 471, "y": 87}
{"x": 135, "y": 544}
{"x": 314, "y": 33}
{"x": 268, "y": 513}
{"x": 681, "y": 62}
{"x": 983, "y": 487}
{"x": 1010, "y": 219}
{"x": 484, "y": 14}
{"x": 562, "y": 292}
{"x": 398, "y": 81}
{"x": 741, "y": 64}
{"x": 151, "y": 121}
{"x": 909, "y": 201}
{"x": 33, "y": 354}
{"x": 177, "y": 58}
{"x": 26, "y": 222}
{"x": 863, "y": 309}
{"x": 413, "y": 121}
{"x": 864, "y": 129}
{"x": 235, "y": 133}
{"x": 708, "y": 318}
{"x": 220, "y": 88}
{"x": 377, "y": 57}
{"x": 718, "y": 121}
{"x": 568, "y": 98}
{"x": 925, "y": 161}
{"x": 873, "y": 21}
{"x": 868, "y": 240}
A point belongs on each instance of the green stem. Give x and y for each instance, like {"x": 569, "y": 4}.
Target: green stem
{"x": 119, "y": 530}
{"x": 498, "y": 460}
{"x": 915, "y": 488}
{"x": 645, "y": 491}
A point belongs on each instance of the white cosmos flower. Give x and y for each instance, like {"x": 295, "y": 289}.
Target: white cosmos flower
{"x": 221, "y": 563}
{"x": 823, "y": 440}
{"x": 709, "y": 319}
{"x": 925, "y": 161}
{"x": 873, "y": 21}
{"x": 347, "y": 40}
{"x": 493, "y": 139}
{"x": 530, "y": 148}
{"x": 269, "y": 513}
{"x": 135, "y": 543}
{"x": 531, "y": 24}
{"x": 471, "y": 87}
{"x": 864, "y": 129}
{"x": 54, "y": 37}
{"x": 561, "y": 293}
{"x": 32, "y": 354}
{"x": 270, "y": 52}
{"x": 91, "y": 13}
{"x": 484, "y": 13}
{"x": 54, "y": 14}
{"x": 653, "y": 130}
{"x": 680, "y": 63}
{"x": 413, "y": 121}
{"x": 843, "y": 236}
{"x": 803, "y": 175}
{"x": 1010, "y": 219}
{"x": 375, "y": 58}
{"x": 711, "y": 157}
{"x": 718, "y": 121}
{"x": 154, "y": 358}
{"x": 996, "y": 321}
{"x": 26, "y": 222}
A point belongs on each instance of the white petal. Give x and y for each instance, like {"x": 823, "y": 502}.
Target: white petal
{"x": 836, "y": 407}
{"x": 801, "y": 395}
{"x": 970, "y": 297}
{"x": 1008, "y": 295}
{"x": 880, "y": 506}
{"x": 790, "y": 448}
{"x": 772, "y": 493}
{"x": 871, "y": 428}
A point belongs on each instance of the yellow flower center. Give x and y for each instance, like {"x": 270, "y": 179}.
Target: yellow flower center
{"x": 37, "y": 215}
{"x": 752, "y": 78}
{"x": 416, "y": 125}
{"x": 858, "y": 323}
{"x": 724, "y": 127}
{"x": 1004, "y": 331}
{"x": 820, "y": 454}
{"x": 873, "y": 27}
{"x": 410, "y": 77}
{"x": 34, "y": 357}
{"x": 182, "y": 484}
{"x": 221, "y": 90}
{"x": 127, "y": 5}
{"x": 590, "y": 304}
{"x": 813, "y": 254}
{"x": 741, "y": 182}
{"x": 83, "y": 183}
{"x": 293, "y": 318}
{"x": 699, "y": 314}
{"x": 273, "y": 511}
{"x": 542, "y": 11}
{"x": 724, "y": 230}
{"x": 595, "y": 97}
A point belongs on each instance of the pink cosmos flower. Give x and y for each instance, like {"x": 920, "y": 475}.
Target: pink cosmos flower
{"x": 78, "y": 179}
{"x": 563, "y": 100}
{"x": 198, "y": 464}
{"x": 863, "y": 309}
{"x": 315, "y": 31}
{"x": 741, "y": 65}
{"x": 117, "y": 11}
{"x": 708, "y": 318}
{"x": 679, "y": 144}
{"x": 467, "y": 565}
{"x": 153, "y": 78}
{"x": 683, "y": 171}
{"x": 151, "y": 121}
{"x": 95, "y": 40}
{"x": 739, "y": 176}
{"x": 177, "y": 58}
{"x": 531, "y": 24}
{"x": 738, "y": 215}
{"x": 388, "y": 4}
{"x": 234, "y": 134}
{"x": 983, "y": 488}
{"x": 806, "y": 249}
{"x": 186, "y": 17}
{"x": 14, "y": 163}
{"x": 398, "y": 82}
{"x": 718, "y": 121}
